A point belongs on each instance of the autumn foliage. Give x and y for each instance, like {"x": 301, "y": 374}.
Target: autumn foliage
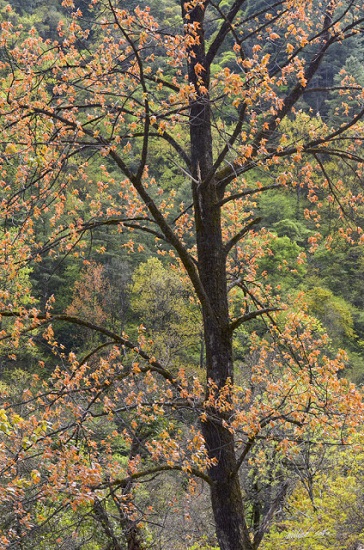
{"x": 90, "y": 125}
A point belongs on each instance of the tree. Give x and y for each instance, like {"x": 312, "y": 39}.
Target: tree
{"x": 67, "y": 107}
{"x": 333, "y": 516}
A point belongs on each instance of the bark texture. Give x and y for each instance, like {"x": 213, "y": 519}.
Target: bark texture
{"x": 226, "y": 496}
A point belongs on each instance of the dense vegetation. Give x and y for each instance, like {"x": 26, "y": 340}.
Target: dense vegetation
{"x": 182, "y": 299}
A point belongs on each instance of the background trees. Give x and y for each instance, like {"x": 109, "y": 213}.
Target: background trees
{"x": 221, "y": 94}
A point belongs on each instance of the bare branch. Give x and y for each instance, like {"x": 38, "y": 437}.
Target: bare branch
{"x": 251, "y": 315}
{"x": 94, "y": 224}
{"x": 267, "y": 520}
{"x": 229, "y": 143}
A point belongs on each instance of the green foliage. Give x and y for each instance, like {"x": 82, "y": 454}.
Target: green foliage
{"x": 334, "y": 313}
{"x": 165, "y": 305}
{"x": 340, "y": 269}
{"x": 294, "y": 229}
{"x": 282, "y": 264}
{"x": 276, "y": 208}
{"x": 333, "y": 516}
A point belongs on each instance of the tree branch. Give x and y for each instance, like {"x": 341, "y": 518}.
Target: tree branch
{"x": 225, "y": 28}
{"x": 153, "y": 364}
{"x": 89, "y": 226}
{"x": 275, "y": 504}
{"x": 176, "y": 146}
{"x": 165, "y": 83}
{"x": 144, "y": 151}
{"x": 229, "y": 143}
{"x": 153, "y": 471}
{"x": 227, "y": 174}
{"x": 171, "y": 237}
{"x": 229, "y": 245}
{"x": 331, "y": 185}
{"x": 169, "y": 234}
{"x": 251, "y": 315}
{"x": 248, "y": 192}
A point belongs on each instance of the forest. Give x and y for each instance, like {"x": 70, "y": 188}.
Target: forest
{"x": 181, "y": 275}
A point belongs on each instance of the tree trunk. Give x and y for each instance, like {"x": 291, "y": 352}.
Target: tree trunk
{"x": 226, "y": 496}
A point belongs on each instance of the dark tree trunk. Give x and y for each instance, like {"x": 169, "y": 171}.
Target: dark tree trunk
{"x": 226, "y": 496}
